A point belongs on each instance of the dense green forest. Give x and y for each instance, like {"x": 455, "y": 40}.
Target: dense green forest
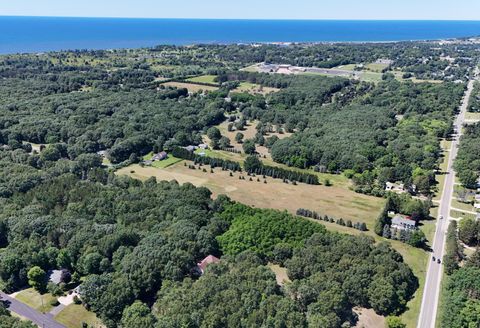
{"x": 462, "y": 301}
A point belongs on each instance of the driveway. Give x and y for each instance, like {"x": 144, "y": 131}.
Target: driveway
{"x": 41, "y": 320}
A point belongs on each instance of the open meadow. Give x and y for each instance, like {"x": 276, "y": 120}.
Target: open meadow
{"x": 191, "y": 87}
{"x": 334, "y": 201}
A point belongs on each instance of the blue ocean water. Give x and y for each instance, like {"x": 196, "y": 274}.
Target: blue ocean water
{"x": 38, "y": 34}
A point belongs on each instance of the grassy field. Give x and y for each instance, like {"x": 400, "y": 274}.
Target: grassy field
{"x": 463, "y": 206}
{"x": 472, "y": 117}
{"x": 460, "y": 214}
{"x": 376, "y": 67}
{"x": 203, "y": 79}
{"x": 73, "y": 316}
{"x": 190, "y": 86}
{"x": 334, "y": 201}
{"x": 349, "y": 67}
{"x": 170, "y": 160}
{"x": 253, "y": 88}
{"x": 33, "y": 299}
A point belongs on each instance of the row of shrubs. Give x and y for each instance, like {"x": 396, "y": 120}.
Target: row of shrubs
{"x": 204, "y": 160}
{"x": 314, "y": 215}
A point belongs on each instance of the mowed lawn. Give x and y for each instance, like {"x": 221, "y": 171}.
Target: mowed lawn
{"x": 74, "y": 315}
{"x": 33, "y": 299}
{"x": 203, "y": 79}
{"x": 170, "y": 160}
{"x": 333, "y": 201}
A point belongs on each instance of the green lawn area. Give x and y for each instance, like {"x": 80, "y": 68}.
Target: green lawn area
{"x": 73, "y": 316}
{"x": 371, "y": 76}
{"x": 170, "y": 160}
{"x": 458, "y": 214}
{"x": 203, "y": 79}
{"x": 33, "y": 299}
{"x": 374, "y": 67}
{"x": 463, "y": 206}
{"x": 166, "y": 162}
{"x": 349, "y": 67}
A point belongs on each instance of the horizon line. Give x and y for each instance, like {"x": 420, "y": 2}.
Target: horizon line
{"x": 248, "y": 19}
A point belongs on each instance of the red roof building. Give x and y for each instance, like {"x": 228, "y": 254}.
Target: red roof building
{"x": 206, "y": 261}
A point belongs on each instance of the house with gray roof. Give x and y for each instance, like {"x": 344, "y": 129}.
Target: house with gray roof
{"x": 403, "y": 223}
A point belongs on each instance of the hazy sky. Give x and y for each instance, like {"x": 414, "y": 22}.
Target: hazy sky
{"x": 269, "y": 9}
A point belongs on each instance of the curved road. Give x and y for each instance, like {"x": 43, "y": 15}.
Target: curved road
{"x": 431, "y": 292}
{"x": 41, "y": 320}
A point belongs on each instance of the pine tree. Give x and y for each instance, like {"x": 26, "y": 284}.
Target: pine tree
{"x": 387, "y": 232}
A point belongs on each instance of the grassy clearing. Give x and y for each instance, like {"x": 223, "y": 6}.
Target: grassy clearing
{"x": 280, "y": 274}
{"x": 252, "y": 68}
{"x": 371, "y": 76}
{"x": 463, "y": 215}
{"x": 463, "y": 206}
{"x": 334, "y": 201}
{"x": 253, "y": 88}
{"x": 204, "y": 79}
{"x": 376, "y": 67}
{"x": 469, "y": 116}
{"x": 33, "y": 299}
{"x": 349, "y": 67}
{"x": 170, "y": 160}
{"x": 166, "y": 162}
{"x": 190, "y": 86}
{"x": 74, "y": 315}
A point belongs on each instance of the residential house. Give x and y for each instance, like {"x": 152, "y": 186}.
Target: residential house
{"x": 395, "y": 187}
{"x": 202, "y": 265}
{"x": 403, "y": 223}
{"x": 160, "y": 156}
{"x": 59, "y": 276}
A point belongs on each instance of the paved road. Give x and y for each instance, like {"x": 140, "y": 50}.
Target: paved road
{"x": 41, "y": 320}
{"x": 428, "y": 311}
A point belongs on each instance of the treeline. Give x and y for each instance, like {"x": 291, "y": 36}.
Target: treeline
{"x": 205, "y": 160}
{"x": 467, "y": 163}
{"x": 474, "y": 101}
{"x": 346, "y": 223}
{"x": 254, "y": 165}
{"x": 453, "y": 250}
{"x": 462, "y": 295}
